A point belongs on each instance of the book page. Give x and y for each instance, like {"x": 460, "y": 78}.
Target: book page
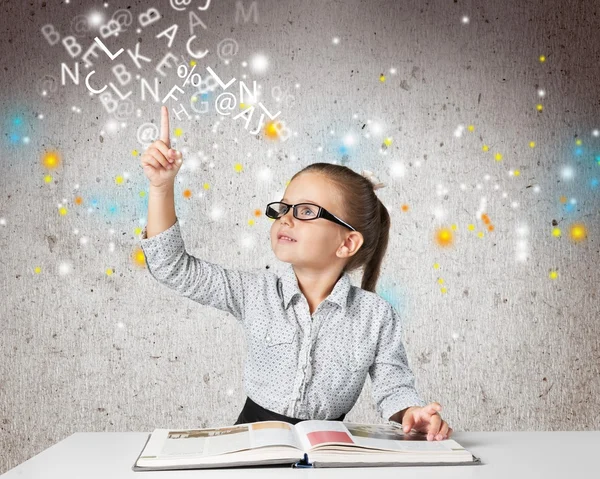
{"x": 215, "y": 441}
{"x": 316, "y": 433}
{"x": 391, "y": 437}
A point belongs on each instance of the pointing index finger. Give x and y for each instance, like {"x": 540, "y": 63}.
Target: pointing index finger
{"x": 164, "y": 126}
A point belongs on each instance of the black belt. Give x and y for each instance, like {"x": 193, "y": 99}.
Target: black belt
{"x": 252, "y": 412}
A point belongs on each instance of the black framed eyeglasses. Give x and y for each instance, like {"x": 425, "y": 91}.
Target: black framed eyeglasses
{"x": 304, "y": 212}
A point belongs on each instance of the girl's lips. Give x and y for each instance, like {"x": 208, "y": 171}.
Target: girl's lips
{"x": 283, "y": 240}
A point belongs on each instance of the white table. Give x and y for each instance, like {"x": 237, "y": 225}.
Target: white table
{"x": 103, "y": 455}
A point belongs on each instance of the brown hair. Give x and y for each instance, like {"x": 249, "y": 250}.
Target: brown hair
{"x": 364, "y": 211}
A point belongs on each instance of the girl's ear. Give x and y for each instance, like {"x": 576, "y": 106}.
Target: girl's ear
{"x": 351, "y": 245}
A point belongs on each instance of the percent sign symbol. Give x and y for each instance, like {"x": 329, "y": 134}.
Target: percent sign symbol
{"x": 279, "y": 95}
{"x": 193, "y": 79}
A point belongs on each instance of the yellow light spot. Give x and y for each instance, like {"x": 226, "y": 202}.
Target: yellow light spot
{"x": 471, "y": 127}
{"x": 563, "y": 199}
{"x": 37, "y": 270}
{"x": 187, "y": 193}
{"x": 178, "y": 132}
{"x": 436, "y": 265}
{"x": 192, "y": 63}
{"x": 109, "y": 272}
{"x": 553, "y": 274}
{"x": 443, "y": 290}
{"x": 578, "y": 142}
{"x": 578, "y": 232}
{"x": 119, "y": 180}
{"x": 454, "y": 227}
{"x": 480, "y": 234}
{"x": 250, "y": 222}
{"x": 532, "y": 144}
{"x": 62, "y": 211}
{"x": 78, "y": 200}
{"x": 142, "y": 194}
{"x": 135, "y": 153}
{"x": 517, "y": 172}
{"x": 542, "y": 58}
{"x": 556, "y": 232}
{"x": 471, "y": 227}
{"x": 138, "y": 257}
{"x": 206, "y": 186}
{"x": 444, "y": 237}
{"x": 498, "y": 156}
{"x": 382, "y": 78}
{"x": 242, "y": 106}
{"x": 485, "y": 148}
{"x": 238, "y": 167}
{"x": 272, "y": 129}
{"x": 51, "y": 160}
{"x": 539, "y": 107}
{"x": 137, "y": 231}
{"x": 441, "y": 280}
{"x": 287, "y": 182}
{"x": 48, "y": 179}
{"x": 387, "y": 141}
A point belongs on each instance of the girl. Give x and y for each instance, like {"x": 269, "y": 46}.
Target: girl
{"x": 311, "y": 336}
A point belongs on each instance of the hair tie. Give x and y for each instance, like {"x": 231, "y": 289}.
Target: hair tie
{"x": 373, "y": 179}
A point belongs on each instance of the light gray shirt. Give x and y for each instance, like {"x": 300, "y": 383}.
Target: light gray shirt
{"x": 299, "y": 365}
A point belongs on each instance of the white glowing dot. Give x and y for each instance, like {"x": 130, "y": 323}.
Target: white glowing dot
{"x": 95, "y": 19}
{"x": 504, "y": 194}
{"x": 297, "y": 85}
{"x": 244, "y": 64}
{"x": 106, "y": 5}
{"x": 64, "y": 268}
{"x": 486, "y": 177}
{"x": 335, "y": 40}
{"x": 459, "y": 131}
{"x": 230, "y": 392}
{"x": 514, "y": 204}
{"x": 26, "y": 140}
{"x": 536, "y": 188}
{"x": 44, "y": 93}
{"x": 496, "y": 187}
{"x": 259, "y": 63}
{"x": 478, "y": 186}
{"x": 465, "y": 19}
{"x": 568, "y": 172}
{"x": 83, "y": 240}
{"x": 40, "y": 116}
{"x": 216, "y": 213}
{"x": 418, "y": 163}
{"x": 573, "y": 201}
{"x": 463, "y": 186}
{"x": 3, "y": 221}
{"x": 596, "y": 133}
{"x": 349, "y": 140}
{"x": 541, "y": 93}
{"x": 455, "y": 336}
{"x": 397, "y": 170}
{"x": 320, "y": 148}
{"x": 393, "y": 71}
{"x": 76, "y": 231}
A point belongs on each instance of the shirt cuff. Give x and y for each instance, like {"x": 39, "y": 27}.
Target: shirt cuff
{"x": 167, "y": 242}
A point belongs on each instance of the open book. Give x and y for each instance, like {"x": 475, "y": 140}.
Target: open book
{"x": 310, "y": 443}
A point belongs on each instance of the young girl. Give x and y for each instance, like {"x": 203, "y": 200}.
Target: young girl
{"x": 311, "y": 336}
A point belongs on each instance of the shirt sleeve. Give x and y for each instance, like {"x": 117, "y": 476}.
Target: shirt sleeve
{"x": 201, "y": 281}
{"x": 393, "y": 383}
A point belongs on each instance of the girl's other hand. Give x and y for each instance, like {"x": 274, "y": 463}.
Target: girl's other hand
{"x": 428, "y": 420}
{"x": 160, "y": 162}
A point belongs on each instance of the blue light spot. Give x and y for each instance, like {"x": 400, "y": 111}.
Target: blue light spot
{"x": 343, "y": 150}
{"x": 112, "y": 209}
{"x": 594, "y": 182}
{"x": 570, "y": 207}
{"x": 578, "y": 151}
{"x": 14, "y": 138}
{"x": 17, "y": 121}
{"x": 94, "y": 203}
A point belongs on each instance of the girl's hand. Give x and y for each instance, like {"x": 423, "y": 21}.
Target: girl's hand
{"x": 426, "y": 419}
{"x": 160, "y": 162}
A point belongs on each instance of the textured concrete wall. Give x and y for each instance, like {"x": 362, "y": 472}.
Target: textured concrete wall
{"x": 501, "y": 326}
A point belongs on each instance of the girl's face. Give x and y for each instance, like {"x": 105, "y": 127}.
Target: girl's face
{"x": 316, "y": 241}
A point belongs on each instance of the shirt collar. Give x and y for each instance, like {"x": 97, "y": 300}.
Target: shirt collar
{"x": 290, "y": 288}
